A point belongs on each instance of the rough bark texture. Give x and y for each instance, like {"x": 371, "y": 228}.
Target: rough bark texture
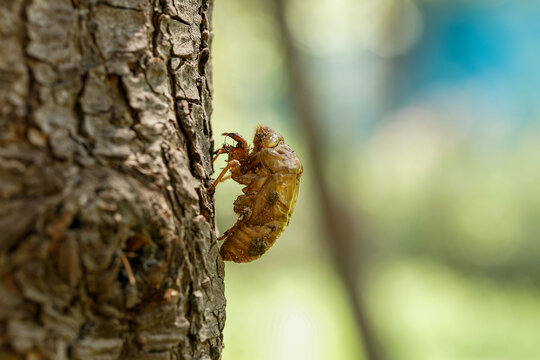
{"x": 105, "y": 146}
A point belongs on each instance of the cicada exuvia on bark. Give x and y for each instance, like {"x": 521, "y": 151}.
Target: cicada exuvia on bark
{"x": 271, "y": 172}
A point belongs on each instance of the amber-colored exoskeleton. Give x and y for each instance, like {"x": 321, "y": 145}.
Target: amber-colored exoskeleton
{"x": 271, "y": 173}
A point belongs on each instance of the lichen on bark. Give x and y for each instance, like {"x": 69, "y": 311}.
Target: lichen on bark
{"x": 105, "y": 148}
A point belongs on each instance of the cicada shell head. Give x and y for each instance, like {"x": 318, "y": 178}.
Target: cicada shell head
{"x": 265, "y": 137}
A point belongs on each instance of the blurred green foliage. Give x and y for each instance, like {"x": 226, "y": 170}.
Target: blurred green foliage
{"x": 448, "y": 198}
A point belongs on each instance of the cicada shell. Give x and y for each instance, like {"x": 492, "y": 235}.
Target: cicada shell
{"x": 271, "y": 172}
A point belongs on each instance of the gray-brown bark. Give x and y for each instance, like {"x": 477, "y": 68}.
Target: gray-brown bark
{"x": 105, "y": 147}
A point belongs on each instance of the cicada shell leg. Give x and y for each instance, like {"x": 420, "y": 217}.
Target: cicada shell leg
{"x": 227, "y": 177}
{"x": 221, "y": 150}
{"x": 238, "y": 138}
{"x": 222, "y": 177}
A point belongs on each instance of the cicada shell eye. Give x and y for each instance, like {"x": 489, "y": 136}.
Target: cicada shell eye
{"x": 272, "y": 140}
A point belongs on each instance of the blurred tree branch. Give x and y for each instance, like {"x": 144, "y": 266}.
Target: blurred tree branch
{"x": 342, "y": 235}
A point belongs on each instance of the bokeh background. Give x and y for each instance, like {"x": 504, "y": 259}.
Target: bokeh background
{"x": 427, "y": 118}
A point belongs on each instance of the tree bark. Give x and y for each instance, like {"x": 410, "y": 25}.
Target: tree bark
{"x": 107, "y": 241}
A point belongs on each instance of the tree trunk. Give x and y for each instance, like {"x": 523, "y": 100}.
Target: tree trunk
{"x": 107, "y": 242}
